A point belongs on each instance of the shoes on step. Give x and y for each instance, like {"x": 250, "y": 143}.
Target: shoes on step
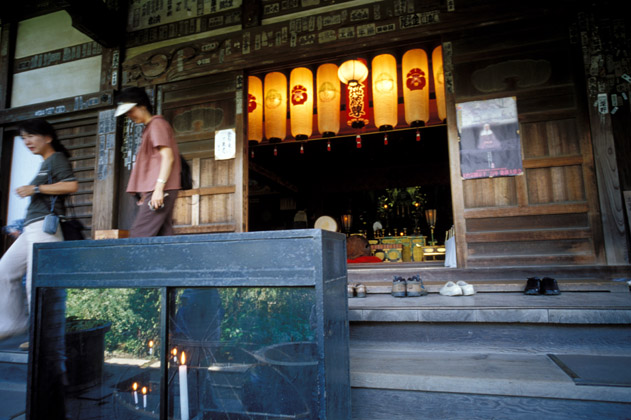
{"x": 467, "y": 289}
{"x": 399, "y": 286}
{"x": 549, "y": 287}
{"x": 24, "y": 346}
{"x": 415, "y": 286}
{"x": 350, "y": 290}
{"x": 533, "y": 286}
{"x": 360, "y": 290}
{"x": 451, "y": 289}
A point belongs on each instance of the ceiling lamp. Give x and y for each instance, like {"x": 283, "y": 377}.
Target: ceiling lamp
{"x": 353, "y": 73}
{"x": 328, "y": 103}
{"x": 384, "y": 91}
{"x": 415, "y": 79}
{"x": 301, "y": 102}
{"x": 255, "y": 109}
{"x": 439, "y": 82}
{"x": 275, "y": 106}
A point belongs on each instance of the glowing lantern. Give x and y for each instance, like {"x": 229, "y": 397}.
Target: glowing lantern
{"x": 354, "y": 73}
{"x": 301, "y": 102}
{"x": 415, "y": 79}
{"x": 439, "y": 81}
{"x": 255, "y": 109}
{"x": 328, "y": 103}
{"x": 384, "y": 91}
{"x": 275, "y": 105}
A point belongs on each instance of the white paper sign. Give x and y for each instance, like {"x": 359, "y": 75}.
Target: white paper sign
{"x": 225, "y": 144}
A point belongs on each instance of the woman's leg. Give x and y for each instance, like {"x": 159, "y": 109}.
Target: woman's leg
{"x": 35, "y": 234}
{"x": 13, "y": 315}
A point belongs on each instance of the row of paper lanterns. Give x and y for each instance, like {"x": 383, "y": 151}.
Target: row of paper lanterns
{"x": 268, "y": 99}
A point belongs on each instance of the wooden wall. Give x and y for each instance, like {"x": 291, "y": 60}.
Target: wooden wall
{"x": 550, "y": 214}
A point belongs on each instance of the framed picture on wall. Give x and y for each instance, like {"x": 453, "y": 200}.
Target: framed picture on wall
{"x": 489, "y": 138}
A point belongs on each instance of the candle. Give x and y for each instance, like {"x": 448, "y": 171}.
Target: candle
{"x": 135, "y": 388}
{"x": 150, "y": 347}
{"x": 183, "y": 389}
{"x": 144, "y": 397}
{"x": 174, "y": 353}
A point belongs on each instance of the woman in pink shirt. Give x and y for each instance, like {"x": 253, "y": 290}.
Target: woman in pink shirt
{"x": 155, "y": 177}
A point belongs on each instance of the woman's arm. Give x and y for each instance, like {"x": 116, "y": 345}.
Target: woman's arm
{"x": 166, "y": 165}
{"x": 58, "y": 188}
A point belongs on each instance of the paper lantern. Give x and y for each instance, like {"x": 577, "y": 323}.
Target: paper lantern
{"x": 255, "y": 109}
{"x": 384, "y": 91}
{"x": 328, "y": 103}
{"x": 275, "y": 106}
{"x": 439, "y": 82}
{"x": 301, "y": 102}
{"x": 415, "y": 80}
{"x": 352, "y": 72}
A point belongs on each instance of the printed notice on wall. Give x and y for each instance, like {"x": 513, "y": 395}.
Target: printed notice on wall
{"x": 225, "y": 144}
{"x": 489, "y": 138}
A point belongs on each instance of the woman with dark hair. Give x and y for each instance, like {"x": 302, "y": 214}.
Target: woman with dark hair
{"x": 55, "y": 178}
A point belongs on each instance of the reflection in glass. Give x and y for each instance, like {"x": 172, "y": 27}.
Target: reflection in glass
{"x": 249, "y": 352}
{"x": 113, "y": 373}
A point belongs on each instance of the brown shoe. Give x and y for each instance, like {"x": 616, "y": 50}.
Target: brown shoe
{"x": 415, "y": 286}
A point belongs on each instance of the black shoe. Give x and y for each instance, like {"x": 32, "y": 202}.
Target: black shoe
{"x": 533, "y": 286}
{"x": 549, "y": 286}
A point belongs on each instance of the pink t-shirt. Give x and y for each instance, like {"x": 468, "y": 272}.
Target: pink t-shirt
{"x": 144, "y": 174}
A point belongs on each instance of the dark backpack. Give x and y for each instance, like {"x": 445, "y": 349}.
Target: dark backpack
{"x": 186, "y": 179}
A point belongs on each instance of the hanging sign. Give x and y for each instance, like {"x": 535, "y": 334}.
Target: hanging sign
{"x": 225, "y": 144}
{"x": 489, "y": 138}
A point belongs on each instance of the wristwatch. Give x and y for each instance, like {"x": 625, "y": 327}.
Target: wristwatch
{"x": 36, "y": 189}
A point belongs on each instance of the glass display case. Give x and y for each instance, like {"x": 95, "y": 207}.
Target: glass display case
{"x": 246, "y": 325}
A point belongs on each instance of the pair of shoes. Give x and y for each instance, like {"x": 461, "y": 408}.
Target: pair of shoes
{"x": 24, "y": 346}
{"x": 415, "y": 287}
{"x": 457, "y": 289}
{"x": 545, "y": 286}
{"x": 356, "y": 290}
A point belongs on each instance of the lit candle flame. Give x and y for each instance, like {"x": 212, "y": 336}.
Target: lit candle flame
{"x": 150, "y": 343}
{"x": 144, "y": 390}
{"x": 183, "y": 359}
{"x": 174, "y": 351}
{"x": 134, "y": 386}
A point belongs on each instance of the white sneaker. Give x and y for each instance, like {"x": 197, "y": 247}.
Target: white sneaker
{"x": 451, "y": 289}
{"x": 467, "y": 289}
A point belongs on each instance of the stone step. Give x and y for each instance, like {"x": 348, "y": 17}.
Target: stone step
{"x": 498, "y": 374}
{"x": 566, "y": 308}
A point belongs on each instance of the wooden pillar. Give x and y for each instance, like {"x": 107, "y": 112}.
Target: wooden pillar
{"x": 105, "y": 203}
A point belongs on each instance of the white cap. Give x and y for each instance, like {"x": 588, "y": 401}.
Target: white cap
{"x": 123, "y": 108}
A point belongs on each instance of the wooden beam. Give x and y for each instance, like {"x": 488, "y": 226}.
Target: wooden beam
{"x": 59, "y": 107}
{"x": 542, "y": 209}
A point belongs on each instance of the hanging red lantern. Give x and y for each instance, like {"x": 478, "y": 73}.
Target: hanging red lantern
{"x": 384, "y": 91}
{"x": 328, "y": 103}
{"x": 301, "y": 102}
{"x": 439, "y": 82}
{"x": 418, "y": 135}
{"x": 358, "y": 141}
{"x": 302, "y": 150}
{"x": 415, "y": 76}
{"x": 385, "y": 139}
{"x": 255, "y": 109}
{"x": 354, "y": 73}
{"x": 275, "y": 106}
{"x": 328, "y": 146}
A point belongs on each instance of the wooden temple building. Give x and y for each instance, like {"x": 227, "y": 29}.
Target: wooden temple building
{"x": 511, "y": 121}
